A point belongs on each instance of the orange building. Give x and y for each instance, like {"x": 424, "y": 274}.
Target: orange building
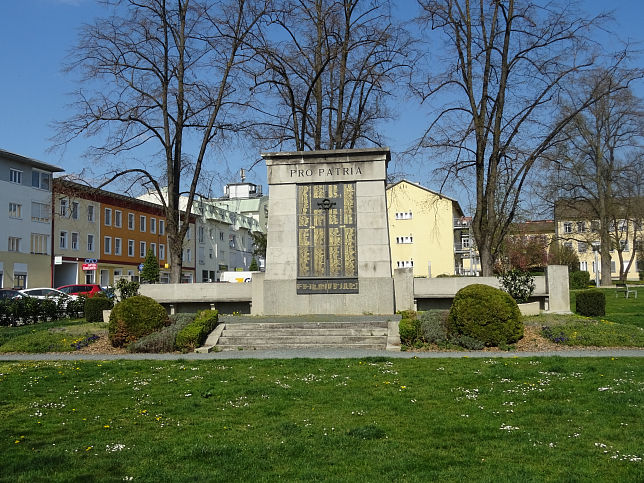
{"x": 99, "y": 235}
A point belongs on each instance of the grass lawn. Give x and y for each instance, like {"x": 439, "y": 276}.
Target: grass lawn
{"x": 57, "y": 336}
{"x": 620, "y": 309}
{"x": 548, "y": 419}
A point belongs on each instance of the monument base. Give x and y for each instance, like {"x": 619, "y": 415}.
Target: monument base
{"x": 376, "y": 297}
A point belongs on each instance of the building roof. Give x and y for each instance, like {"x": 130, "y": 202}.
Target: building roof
{"x": 33, "y": 162}
{"x": 418, "y": 185}
{"x": 535, "y": 227}
{"x": 571, "y": 209}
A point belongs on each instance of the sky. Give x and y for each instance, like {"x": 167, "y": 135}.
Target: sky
{"x": 36, "y": 36}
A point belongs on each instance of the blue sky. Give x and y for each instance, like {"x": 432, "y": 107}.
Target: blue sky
{"x": 35, "y": 36}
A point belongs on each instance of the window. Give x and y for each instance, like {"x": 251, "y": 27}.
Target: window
{"x": 612, "y": 267}
{"x": 19, "y": 281}
{"x": 405, "y": 239}
{"x": 581, "y": 226}
{"x": 117, "y": 246}
{"x": 62, "y": 243}
{"x": 405, "y": 263}
{"x": 108, "y": 216}
{"x": 201, "y": 234}
{"x": 231, "y": 241}
{"x": 142, "y": 222}
{"x": 90, "y": 276}
{"x": 74, "y": 210}
{"x": 188, "y": 257}
{"x": 107, "y": 245}
{"x": 40, "y": 179}
{"x": 130, "y": 248}
{"x": 583, "y": 266}
{"x": 15, "y": 176}
{"x": 568, "y": 245}
{"x": 189, "y": 233}
{"x": 165, "y": 277}
{"x": 74, "y": 240}
{"x": 90, "y": 243}
{"x": 567, "y": 226}
{"x": 594, "y": 226}
{"x": 15, "y": 210}
{"x": 153, "y": 248}
{"x": 582, "y": 247}
{"x": 130, "y": 221}
{"x": 161, "y": 227}
{"x": 39, "y": 243}
{"x": 39, "y": 212}
{"x": 465, "y": 242}
{"x": 161, "y": 251}
{"x": 153, "y": 225}
{"x": 14, "y": 244}
{"x": 142, "y": 251}
{"x": 623, "y": 245}
{"x": 90, "y": 213}
{"x": 63, "y": 207}
{"x": 221, "y": 235}
{"x": 404, "y": 215}
{"x": 117, "y": 218}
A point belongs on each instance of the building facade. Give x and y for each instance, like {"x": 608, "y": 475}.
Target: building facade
{"x": 101, "y": 235}
{"x": 427, "y": 231}
{"x": 25, "y": 232}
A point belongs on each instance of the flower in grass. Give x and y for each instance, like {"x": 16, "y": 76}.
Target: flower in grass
{"x": 106, "y": 426}
{"x": 89, "y": 448}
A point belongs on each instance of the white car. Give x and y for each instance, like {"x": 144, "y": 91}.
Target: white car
{"x": 47, "y": 293}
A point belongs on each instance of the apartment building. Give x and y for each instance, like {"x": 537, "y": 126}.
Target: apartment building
{"x": 25, "y": 233}
{"x": 100, "y": 235}
{"x": 427, "y": 231}
{"x": 577, "y": 228}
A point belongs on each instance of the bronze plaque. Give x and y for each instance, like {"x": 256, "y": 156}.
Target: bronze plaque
{"x": 326, "y": 239}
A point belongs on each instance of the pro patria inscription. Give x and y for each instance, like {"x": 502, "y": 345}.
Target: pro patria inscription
{"x": 326, "y": 238}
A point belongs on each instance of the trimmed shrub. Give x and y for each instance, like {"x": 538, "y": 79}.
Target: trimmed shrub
{"x": 433, "y": 326}
{"x": 579, "y": 279}
{"x": 591, "y": 303}
{"x": 94, "y": 307}
{"x": 518, "y": 283}
{"x": 135, "y": 317}
{"x": 163, "y": 340}
{"x": 409, "y": 328}
{"x": 195, "y": 334}
{"x": 486, "y": 314}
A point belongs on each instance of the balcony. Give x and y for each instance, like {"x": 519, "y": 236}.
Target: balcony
{"x": 462, "y": 223}
{"x": 460, "y": 247}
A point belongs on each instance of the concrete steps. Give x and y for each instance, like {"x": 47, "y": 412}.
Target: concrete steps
{"x": 323, "y": 332}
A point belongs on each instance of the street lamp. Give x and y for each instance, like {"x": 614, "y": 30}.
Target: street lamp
{"x": 596, "y": 250}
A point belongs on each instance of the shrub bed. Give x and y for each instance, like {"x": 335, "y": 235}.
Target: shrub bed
{"x": 486, "y": 314}
{"x": 195, "y": 333}
{"x": 29, "y": 310}
{"x": 134, "y": 318}
{"x": 165, "y": 339}
{"x": 579, "y": 279}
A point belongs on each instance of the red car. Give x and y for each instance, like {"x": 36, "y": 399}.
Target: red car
{"x": 86, "y": 289}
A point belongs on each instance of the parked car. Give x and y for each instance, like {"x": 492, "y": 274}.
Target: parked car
{"x": 46, "y": 293}
{"x": 10, "y": 294}
{"x": 86, "y": 289}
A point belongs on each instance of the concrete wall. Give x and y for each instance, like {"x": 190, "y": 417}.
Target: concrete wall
{"x": 198, "y": 292}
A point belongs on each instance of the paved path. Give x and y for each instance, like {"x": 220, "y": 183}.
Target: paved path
{"x": 316, "y": 354}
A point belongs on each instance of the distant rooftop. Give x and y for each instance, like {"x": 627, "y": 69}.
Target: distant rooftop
{"x": 33, "y": 162}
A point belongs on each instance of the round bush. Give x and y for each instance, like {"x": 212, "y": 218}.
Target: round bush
{"x": 485, "y": 313}
{"x": 135, "y": 317}
{"x": 579, "y": 279}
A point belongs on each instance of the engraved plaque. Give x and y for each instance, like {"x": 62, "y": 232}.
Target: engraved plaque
{"x": 326, "y": 239}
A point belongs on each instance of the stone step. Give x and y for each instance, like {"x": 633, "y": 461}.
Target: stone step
{"x": 235, "y": 330}
{"x": 298, "y": 339}
{"x": 247, "y": 326}
{"x": 366, "y": 346}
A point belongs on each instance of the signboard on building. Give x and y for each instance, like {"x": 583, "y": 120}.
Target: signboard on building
{"x": 89, "y": 266}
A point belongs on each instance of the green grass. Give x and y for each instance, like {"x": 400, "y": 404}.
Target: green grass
{"x": 56, "y": 336}
{"x": 620, "y": 309}
{"x": 548, "y": 419}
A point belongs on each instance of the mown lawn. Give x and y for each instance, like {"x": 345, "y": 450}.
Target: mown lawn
{"x": 56, "y": 336}
{"x": 620, "y": 309}
{"x": 548, "y": 419}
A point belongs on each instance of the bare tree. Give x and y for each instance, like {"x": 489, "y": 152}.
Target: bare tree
{"x": 324, "y": 68}
{"x": 508, "y": 64}
{"x": 161, "y": 73}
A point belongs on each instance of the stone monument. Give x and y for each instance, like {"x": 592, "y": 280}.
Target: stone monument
{"x": 328, "y": 241}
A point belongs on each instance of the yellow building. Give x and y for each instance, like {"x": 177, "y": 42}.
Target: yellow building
{"x": 427, "y": 231}
{"x": 577, "y": 228}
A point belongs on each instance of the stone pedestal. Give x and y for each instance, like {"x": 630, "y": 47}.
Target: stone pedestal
{"x": 328, "y": 241}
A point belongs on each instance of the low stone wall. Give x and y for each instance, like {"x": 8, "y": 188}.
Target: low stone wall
{"x": 192, "y": 297}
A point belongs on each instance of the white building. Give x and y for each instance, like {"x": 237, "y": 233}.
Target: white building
{"x": 25, "y": 231}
